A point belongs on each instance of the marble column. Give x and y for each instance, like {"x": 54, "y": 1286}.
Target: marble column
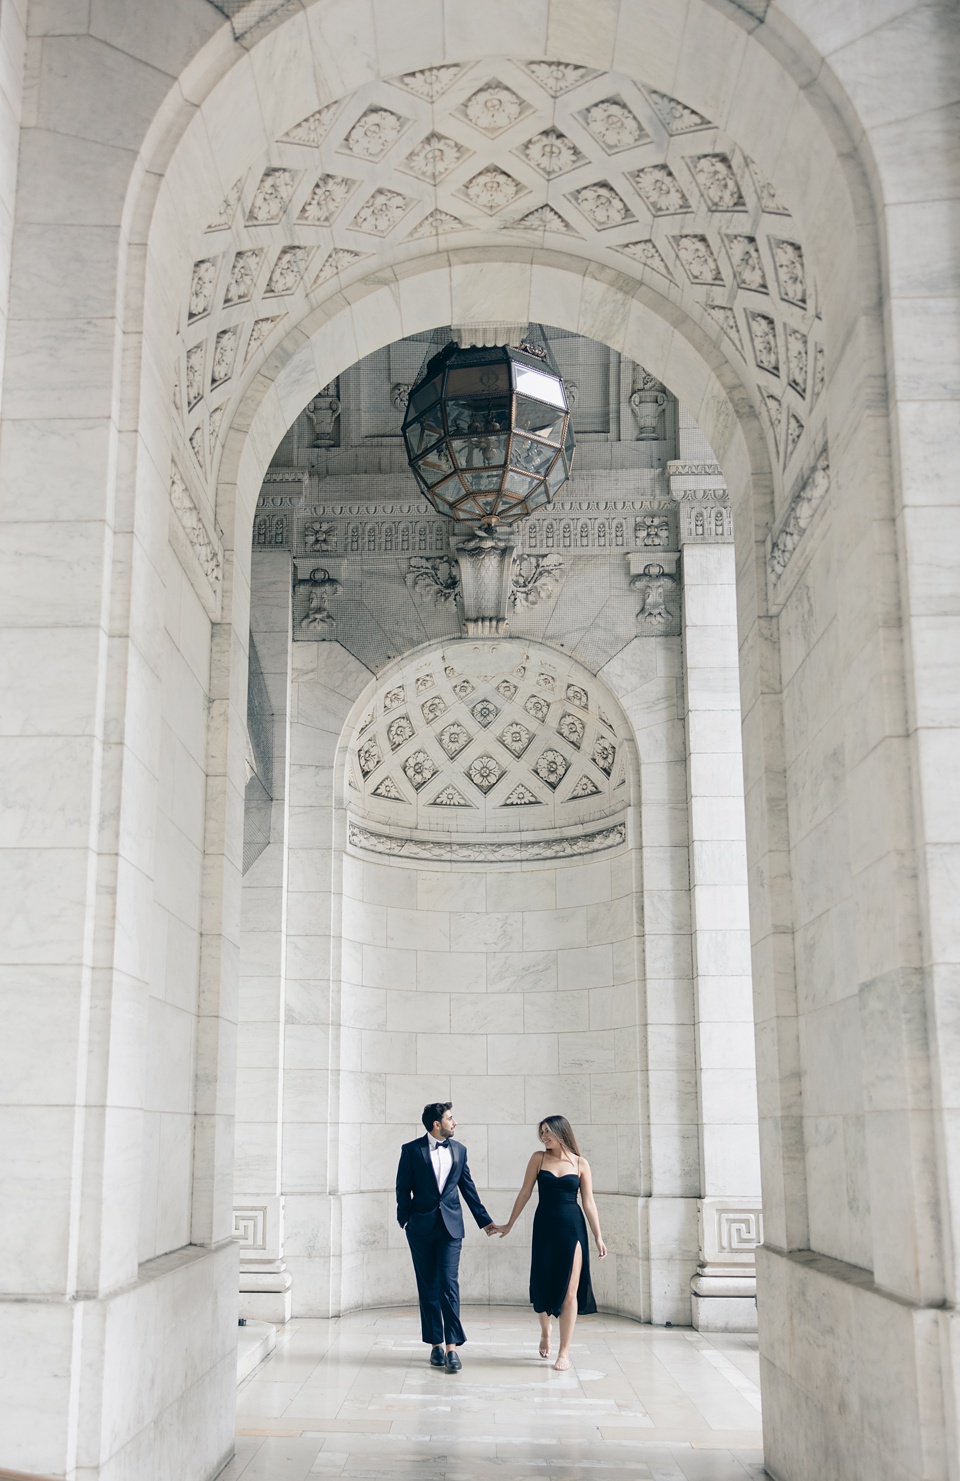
{"x": 724, "y": 1287}
{"x": 258, "y": 1206}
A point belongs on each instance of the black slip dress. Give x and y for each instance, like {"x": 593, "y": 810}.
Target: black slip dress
{"x": 558, "y": 1227}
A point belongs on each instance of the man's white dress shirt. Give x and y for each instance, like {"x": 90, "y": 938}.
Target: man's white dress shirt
{"x": 441, "y": 1159}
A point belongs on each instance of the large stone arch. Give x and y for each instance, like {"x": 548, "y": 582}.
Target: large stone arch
{"x": 820, "y": 132}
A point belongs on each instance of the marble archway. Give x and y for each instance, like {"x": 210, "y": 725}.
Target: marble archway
{"x": 852, "y": 959}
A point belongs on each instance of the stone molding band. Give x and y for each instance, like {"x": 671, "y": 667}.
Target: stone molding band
{"x": 461, "y": 851}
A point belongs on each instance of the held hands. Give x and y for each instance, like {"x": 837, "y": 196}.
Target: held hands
{"x": 501, "y": 1229}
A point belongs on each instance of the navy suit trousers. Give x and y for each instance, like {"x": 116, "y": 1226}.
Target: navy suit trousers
{"x": 436, "y": 1262}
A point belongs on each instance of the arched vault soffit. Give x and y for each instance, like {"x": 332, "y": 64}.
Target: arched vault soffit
{"x": 493, "y": 157}
{"x": 501, "y": 749}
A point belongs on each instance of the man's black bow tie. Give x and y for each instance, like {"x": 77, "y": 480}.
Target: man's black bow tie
{"x": 444, "y": 1144}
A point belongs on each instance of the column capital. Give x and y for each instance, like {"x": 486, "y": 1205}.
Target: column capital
{"x": 703, "y": 502}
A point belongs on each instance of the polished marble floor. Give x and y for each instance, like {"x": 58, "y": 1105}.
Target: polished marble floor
{"x": 355, "y": 1397}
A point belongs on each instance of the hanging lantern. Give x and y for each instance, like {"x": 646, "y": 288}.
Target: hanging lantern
{"x": 488, "y": 433}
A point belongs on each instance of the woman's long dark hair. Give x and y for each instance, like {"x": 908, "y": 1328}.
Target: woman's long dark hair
{"x": 560, "y": 1127}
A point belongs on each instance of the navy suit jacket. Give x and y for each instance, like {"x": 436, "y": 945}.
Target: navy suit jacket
{"x": 419, "y": 1199}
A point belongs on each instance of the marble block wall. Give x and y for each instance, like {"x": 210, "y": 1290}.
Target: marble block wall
{"x": 566, "y": 985}
{"x": 516, "y": 996}
{"x": 848, "y": 602}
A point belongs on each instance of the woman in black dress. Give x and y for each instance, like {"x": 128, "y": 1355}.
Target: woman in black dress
{"x": 559, "y": 1255}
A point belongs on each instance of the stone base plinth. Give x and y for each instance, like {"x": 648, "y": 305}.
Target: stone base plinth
{"x": 265, "y": 1291}
{"x": 724, "y": 1313}
{"x": 724, "y": 1300}
{"x": 267, "y": 1306}
{"x": 255, "y": 1342}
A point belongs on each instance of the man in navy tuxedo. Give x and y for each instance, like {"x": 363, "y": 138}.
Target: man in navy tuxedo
{"x": 433, "y": 1172}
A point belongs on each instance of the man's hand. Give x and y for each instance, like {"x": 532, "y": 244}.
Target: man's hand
{"x": 491, "y": 1229}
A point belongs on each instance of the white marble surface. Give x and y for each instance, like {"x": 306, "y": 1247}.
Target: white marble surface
{"x": 514, "y": 994}
{"x": 355, "y": 1397}
{"x": 837, "y": 906}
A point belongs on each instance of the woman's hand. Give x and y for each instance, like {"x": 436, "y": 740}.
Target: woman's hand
{"x": 501, "y": 1229}
{"x": 601, "y": 1248}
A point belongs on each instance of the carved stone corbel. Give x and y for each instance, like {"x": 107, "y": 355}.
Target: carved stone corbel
{"x": 486, "y": 576}
{"x": 655, "y": 577}
{"x": 313, "y": 620}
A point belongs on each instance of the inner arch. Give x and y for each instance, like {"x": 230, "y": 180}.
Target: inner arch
{"x": 498, "y": 158}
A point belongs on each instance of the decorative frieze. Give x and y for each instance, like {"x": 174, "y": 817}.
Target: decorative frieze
{"x": 705, "y": 519}
{"x": 804, "y": 504}
{"x": 206, "y": 549}
{"x": 461, "y": 851}
{"x": 679, "y": 469}
{"x": 703, "y": 503}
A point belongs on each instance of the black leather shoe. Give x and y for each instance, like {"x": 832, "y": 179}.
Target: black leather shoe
{"x": 452, "y": 1362}
{"x": 436, "y": 1357}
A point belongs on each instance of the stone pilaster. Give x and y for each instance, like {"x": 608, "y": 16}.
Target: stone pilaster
{"x": 265, "y": 1284}
{"x": 724, "y": 1287}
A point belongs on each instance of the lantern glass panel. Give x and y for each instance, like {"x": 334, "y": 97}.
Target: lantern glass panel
{"x": 424, "y": 433}
{"x": 532, "y": 457}
{"x": 519, "y": 483}
{"x": 539, "y": 384}
{"x": 479, "y": 452}
{"x": 543, "y": 421}
{"x": 434, "y": 465}
{"x": 423, "y": 397}
{"x": 479, "y": 507}
{"x": 481, "y": 482}
{"x": 477, "y": 417}
{"x": 489, "y": 437}
{"x": 557, "y": 476}
{"x": 479, "y": 380}
{"x": 444, "y": 497}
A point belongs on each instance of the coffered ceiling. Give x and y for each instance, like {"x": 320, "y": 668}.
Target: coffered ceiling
{"x": 548, "y": 153}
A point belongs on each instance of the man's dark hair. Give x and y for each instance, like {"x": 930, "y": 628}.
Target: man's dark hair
{"x": 434, "y": 1112}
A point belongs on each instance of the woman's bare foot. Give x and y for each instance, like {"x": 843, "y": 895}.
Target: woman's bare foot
{"x": 544, "y": 1347}
{"x": 562, "y": 1363}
